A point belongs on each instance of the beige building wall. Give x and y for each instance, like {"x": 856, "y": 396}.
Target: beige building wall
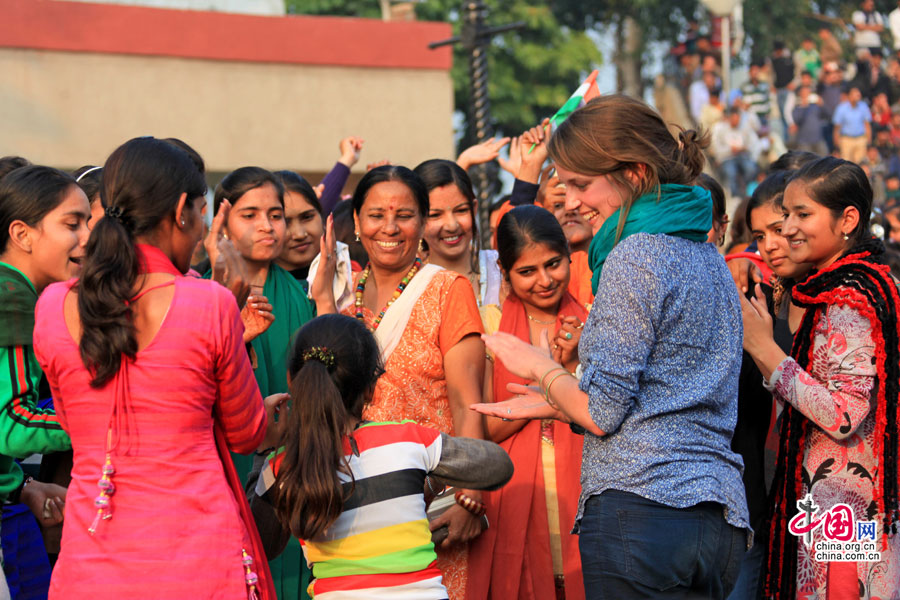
{"x": 69, "y": 108}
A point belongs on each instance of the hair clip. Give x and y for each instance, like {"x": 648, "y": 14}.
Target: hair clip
{"x": 114, "y": 212}
{"x": 321, "y": 354}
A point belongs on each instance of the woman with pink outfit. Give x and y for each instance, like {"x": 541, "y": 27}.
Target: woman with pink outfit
{"x": 152, "y": 382}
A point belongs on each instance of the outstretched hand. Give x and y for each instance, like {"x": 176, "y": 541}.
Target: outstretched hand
{"x": 519, "y": 357}
{"x": 528, "y": 403}
{"x": 257, "y": 317}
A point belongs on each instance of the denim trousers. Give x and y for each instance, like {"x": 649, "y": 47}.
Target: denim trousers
{"x": 633, "y": 548}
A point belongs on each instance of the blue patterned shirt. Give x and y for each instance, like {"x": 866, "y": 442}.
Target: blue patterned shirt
{"x": 661, "y": 354}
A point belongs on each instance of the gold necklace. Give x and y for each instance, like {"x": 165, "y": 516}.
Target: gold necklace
{"x": 538, "y": 321}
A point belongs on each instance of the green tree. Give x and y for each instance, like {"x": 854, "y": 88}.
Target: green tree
{"x": 531, "y": 71}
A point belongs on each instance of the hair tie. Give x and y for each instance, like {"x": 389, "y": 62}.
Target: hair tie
{"x": 321, "y": 354}
{"x": 91, "y": 170}
{"x": 114, "y": 212}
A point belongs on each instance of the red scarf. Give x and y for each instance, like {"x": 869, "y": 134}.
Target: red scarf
{"x": 152, "y": 260}
{"x": 512, "y": 558}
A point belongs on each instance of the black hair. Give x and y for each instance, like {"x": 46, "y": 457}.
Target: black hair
{"x": 296, "y": 184}
{"x": 240, "y": 181}
{"x": 27, "y": 194}
{"x": 392, "y": 173}
{"x": 836, "y": 184}
{"x": 792, "y": 160}
{"x": 192, "y": 154}
{"x": 143, "y": 180}
{"x": 439, "y": 172}
{"x": 771, "y": 189}
{"x": 89, "y": 178}
{"x": 334, "y": 366}
{"x": 8, "y": 164}
{"x": 524, "y": 226}
{"x": 717, "y": 193}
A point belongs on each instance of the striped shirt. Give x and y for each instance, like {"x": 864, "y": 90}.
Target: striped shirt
{"x": 380, "y": 546}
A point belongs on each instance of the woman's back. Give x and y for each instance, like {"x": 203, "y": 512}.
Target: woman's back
{"x": 175, "y": 524}
{"x": 661, "y": 352}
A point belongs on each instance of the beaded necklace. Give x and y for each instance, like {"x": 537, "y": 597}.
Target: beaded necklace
{"x": 361, "y": 286}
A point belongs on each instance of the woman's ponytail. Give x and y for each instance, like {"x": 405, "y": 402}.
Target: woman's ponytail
{"x": 142, "y": 183}
{"x": 106, "y": 285}
{"x": 334, "y": 365}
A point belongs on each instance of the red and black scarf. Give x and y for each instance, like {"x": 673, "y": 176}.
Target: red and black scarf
{"x": 860, "y": 280}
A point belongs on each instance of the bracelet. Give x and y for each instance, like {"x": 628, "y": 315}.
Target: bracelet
{"x": 431, "y": 488}
{"x": 547, "y": 389}
{"x": 16, "y": 495}
{"x": 475, "y": 507}
{"x": 544, "y": 376}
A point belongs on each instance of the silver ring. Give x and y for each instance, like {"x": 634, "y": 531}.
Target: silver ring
{"x": 568, "y": 335}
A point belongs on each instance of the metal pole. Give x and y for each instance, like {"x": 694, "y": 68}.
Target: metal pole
{"x": 481, "y": 107}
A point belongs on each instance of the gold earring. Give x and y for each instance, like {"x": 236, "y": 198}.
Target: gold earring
{"x": 846, "y": 237}
{"x": 421, "y": 247}
{"x": 357, "y": 235}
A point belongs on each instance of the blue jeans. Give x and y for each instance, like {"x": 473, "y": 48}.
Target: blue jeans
{"x": 634, "y": 548}
{"x": 738, "y": 171}
{"x": 749, "y": 582}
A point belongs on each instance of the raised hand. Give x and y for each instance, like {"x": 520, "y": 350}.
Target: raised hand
{"x": 512, "y": 164}
{"x": 350, "y": 148}
{"x": 321, "y": 290}
{"x": 534, "y": 151}
{"x": 228, "y": 267}
{"x": 484, "y": 152}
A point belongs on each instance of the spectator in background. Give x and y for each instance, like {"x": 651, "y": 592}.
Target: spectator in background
{"x": 806, "y": 79}
{"x": 830, "y": 90}
{"x": 807, "y": 58}
{"x": 783, "y": 70}
{"x": 871, "y": 78}
{"x": 831, "y": 50}
{"x": 894, "y": 127}
{"x": 881, "y": 111}
{"x": 808, "y": 116}
{"x": 852, "y": 126}
{"x": 713, "y": 111}
{"x": 699, "y": 92}
{"x": 755, "y": 93}
{"x": 894, "y": 25}
{"x": 868, "y": 24}
{"x": 734, "y": 148}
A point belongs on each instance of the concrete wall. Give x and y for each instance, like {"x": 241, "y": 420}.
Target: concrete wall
{"x": 69, "y": 109}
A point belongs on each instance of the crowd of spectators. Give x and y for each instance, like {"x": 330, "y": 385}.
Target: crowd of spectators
{"x": 821, "y": 97}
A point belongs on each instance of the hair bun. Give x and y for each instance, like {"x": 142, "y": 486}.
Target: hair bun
{"x": 692, "y": 142}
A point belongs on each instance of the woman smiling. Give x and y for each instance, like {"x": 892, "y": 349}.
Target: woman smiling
{"x": 529, "y": 551}
{"x": 450, "y": 231}
{"x": 427, "y": 325}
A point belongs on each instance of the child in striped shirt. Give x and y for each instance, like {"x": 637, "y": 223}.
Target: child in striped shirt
{"x": 354, "y": 491}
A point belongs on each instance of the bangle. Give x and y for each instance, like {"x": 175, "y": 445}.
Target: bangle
{"x": 431, "y": 488}
{"x": 475, "y": 507}
{"x": 544, "y": 376}
{"x": 16, "y": 496}
{"x": 547, "y": 389}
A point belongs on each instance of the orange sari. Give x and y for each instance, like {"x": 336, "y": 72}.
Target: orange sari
{"x": 414, "y": 386}
{"x": 512, "y": 558}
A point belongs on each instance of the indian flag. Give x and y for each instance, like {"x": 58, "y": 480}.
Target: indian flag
{"x": 586, "y": 92}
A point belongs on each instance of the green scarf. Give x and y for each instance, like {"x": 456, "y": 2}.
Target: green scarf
{"x": 17, "y": 300}
{"x": 683, "y": 211}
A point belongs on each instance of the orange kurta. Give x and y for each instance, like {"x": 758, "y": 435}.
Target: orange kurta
{"x": 414, "y": 386}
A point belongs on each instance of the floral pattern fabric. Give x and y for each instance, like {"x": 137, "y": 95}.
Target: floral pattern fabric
{"x": 837, "y": 394}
